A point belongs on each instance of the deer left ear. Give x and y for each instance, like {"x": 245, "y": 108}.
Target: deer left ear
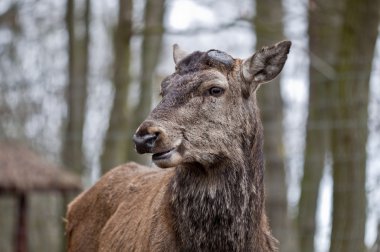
{"x": 178, "y": 54}
{"x": 266, "y": 63}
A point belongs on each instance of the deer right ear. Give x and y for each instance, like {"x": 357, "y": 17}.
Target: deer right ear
{"x": 178, "y": 54}
{"x": 266, "y": 63}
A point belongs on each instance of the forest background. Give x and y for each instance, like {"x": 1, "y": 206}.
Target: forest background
{"x": 78, "y": 76}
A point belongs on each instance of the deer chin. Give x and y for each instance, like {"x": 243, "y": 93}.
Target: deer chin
{"x": 166, "y": 159}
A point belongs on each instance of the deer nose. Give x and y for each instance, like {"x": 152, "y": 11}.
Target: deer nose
{"x": 145, "y": 143}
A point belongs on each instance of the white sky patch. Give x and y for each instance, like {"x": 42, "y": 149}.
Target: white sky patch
{"x": 373, "y": 150}
{"x": 294, "y": 89}
{"x": 324, "y": 209}
{"x": 185, "y": 14}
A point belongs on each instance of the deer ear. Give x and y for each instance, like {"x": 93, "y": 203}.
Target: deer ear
{"x": 266, "y": 63}
{"x": 178, "y": 54}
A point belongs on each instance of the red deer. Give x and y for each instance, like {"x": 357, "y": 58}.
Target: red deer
{"x": 207, "y": 134}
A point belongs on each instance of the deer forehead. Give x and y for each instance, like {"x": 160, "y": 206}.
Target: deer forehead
{"x": 215, "y": 78}
{"x": 192, "y": 82}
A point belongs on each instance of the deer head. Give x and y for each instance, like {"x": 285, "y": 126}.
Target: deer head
{"x": 208, "y": 110}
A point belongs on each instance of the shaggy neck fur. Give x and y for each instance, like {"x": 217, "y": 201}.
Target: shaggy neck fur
{"x": 220, "y": 208}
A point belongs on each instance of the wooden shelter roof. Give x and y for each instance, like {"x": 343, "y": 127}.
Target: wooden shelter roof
{"x": 23, "y": 170}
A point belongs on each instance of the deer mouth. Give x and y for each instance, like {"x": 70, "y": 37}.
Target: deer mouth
{"x": 166, "y": 159}
{"x": 163, "y": 155}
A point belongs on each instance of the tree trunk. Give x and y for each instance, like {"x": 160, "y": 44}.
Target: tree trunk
{"x": 77, "y": 89}
{"x": 324, "y": 23}
{"x": 349, "y": 117}
{"x": 8, "y": 203}
{"x": 8, "y": 206}
{"x": 21, "y": 237}
{"x": 269, "y": 29}
{"x": 76, "y": 96}
{"x": 116, "y": 140}
{"x": 150, "y": 54}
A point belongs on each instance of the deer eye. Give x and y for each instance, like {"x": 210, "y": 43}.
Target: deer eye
{"x": 216, "y": 91}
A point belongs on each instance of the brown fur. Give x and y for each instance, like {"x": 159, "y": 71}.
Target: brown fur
{"x": 213, "y": 200}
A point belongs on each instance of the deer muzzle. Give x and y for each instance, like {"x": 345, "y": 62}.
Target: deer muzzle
{"x": 145, "y": 143}
{"x": 151, "y": 138}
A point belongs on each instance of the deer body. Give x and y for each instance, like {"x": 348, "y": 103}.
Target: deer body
{"x": 207, "y": 133}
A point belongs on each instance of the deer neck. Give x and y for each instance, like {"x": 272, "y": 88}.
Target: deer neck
{"x": 219, "y": 208}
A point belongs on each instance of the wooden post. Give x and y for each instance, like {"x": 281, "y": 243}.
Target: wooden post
{"x": 21, "y": 228}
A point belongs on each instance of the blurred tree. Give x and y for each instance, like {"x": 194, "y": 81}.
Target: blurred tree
{"x": 116, "y": 140}
{"x": 9, "y": 18}
{"x": 349, "y": 118}
{"x": 324, "y": 24}
{"x": 8, "y": 208}
{"x": 150, "y": 53}
{"x": 9, "y": 24}
{"x": 269, "y": 29}
{"x": 76, "y": 93}
{"x": 341, "y": 56}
